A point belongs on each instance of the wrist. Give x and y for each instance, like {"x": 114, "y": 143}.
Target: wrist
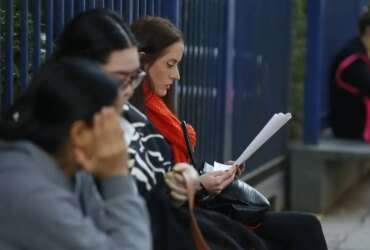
{"x": 114, "y": 186}
{"x": 201, "y": 187}
{"x": 119, "y": 170}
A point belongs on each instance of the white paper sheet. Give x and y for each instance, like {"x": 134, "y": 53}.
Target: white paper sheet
{"x": 215, "y": 167}
{"x": 207, "y": 167}
{"x": 273, "y": 125}
{"x": 220, "y": 167}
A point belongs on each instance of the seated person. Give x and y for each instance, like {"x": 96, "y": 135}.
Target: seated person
{"x": 350, "y": 87}
{"x": 68, "y": 123}
{"x": 161, "y": 49}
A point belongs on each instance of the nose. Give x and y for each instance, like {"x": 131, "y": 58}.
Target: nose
{"x": 175, "y": 74}
{"x": 126, "y": 93}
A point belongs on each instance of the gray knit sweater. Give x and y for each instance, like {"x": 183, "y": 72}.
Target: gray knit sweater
{"x": 39, "y": 208}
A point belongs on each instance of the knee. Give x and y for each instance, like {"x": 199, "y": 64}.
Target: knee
{"x": 310, "y": 223}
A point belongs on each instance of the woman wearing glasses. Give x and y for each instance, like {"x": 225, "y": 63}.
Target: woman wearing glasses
{"x": 101, "y": 36}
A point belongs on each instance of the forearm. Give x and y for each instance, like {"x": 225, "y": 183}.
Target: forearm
{"x": 125, "y": 213}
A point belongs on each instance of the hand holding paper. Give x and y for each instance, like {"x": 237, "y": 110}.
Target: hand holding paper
{"x": 272, "y": 126}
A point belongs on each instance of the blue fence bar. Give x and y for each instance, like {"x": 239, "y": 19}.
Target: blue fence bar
{"x": 36, "y": 15}
{"x": 151, "y": 7}
{"x": 24, "y": 44}
{"x": 109, "y": 4}
{"x": 59, "y": 14}
{"x": 1, "y": 64}
{"x": 184, "y": 64}
{"x": 68, "y": 10}
{"x": 130, "y": 11}
{"x": 49, "y": 27}
{"x": 229, "y": 78}
{"x": 201, "y": 89}
{"x": 118, "y": 6}
{"x": 218, "y": 51}
{"x": 80, "y": 5}
{"x": 142, "y": 7}
{"x": 91, "y": 4}
{"x": 171, "y": 10}
{"x": 9, "y": 57}
{"x": 312, "y": 105}
{"x": 157, "y": 6}
{"x": 135, "y": 9}
{"x": 99, "y": 4}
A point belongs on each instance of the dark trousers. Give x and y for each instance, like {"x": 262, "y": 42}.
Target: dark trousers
{"x": 292, "y": 231}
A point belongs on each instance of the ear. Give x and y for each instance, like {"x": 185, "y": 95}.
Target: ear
{"x": 81, "y": 134}
{"x": 142, "y": 54}
{"x": 144, "y": 61}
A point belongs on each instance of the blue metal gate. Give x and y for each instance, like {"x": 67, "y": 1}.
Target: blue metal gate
{"x": 233, "y": 76}
{"x": 29, "y": 29}
{"x": 261, "y": 73}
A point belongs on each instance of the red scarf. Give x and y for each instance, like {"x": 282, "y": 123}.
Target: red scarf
{"x": 168, "y": 125}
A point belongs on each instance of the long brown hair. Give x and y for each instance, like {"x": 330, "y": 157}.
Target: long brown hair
{"x": 154, "y": 34}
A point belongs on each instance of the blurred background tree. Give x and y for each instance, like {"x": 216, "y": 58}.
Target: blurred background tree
{"x": 298, "y": 57}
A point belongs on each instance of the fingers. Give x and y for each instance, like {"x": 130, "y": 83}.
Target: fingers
{"x": 107, "y": 120}
{"x": 110, "y": 152}
{"x": 174, "y": 185}
{"x": 178, "y": 178}
{"x": 230, "y": 162}
{"x": 179, "y": 167}
{"x": 224, "y": 175}
{"x": 212, "y": 183}
{"x": 190, "y": 172}
{"x": 178, "y": 192}
{"x": 216, "y": 181}
{"x": 218, "y": 173}
{"x": 178, "y": 197}
{"x": 240, "y": 170}
{"x": 227, "y": 182}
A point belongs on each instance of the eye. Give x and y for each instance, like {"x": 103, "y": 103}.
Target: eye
{"x": 171, "y": 64}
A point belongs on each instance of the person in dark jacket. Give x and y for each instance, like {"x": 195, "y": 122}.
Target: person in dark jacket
{"x": 68, "y": 123}
{"x": 350, "y": 86}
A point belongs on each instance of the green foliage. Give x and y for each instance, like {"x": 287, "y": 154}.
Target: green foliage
{"x": 16, "y": 45}
{"x": 298, "y": 66}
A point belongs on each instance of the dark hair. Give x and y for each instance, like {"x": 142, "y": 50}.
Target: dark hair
{"x": 61, "y": 93}
{"x": 154, "y": 34}
{"x": 364, "y": 22}
{"x": 94, "y": 35}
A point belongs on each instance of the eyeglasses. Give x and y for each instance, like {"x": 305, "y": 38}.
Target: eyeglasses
{"x": 134, "y": 80}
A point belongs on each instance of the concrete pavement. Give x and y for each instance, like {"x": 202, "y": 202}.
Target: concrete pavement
{"x": 347, "y": 225}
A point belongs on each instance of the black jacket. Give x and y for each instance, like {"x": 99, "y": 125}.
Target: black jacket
{"x": 170, "y": 224}
{"x": 347, "y": 111}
